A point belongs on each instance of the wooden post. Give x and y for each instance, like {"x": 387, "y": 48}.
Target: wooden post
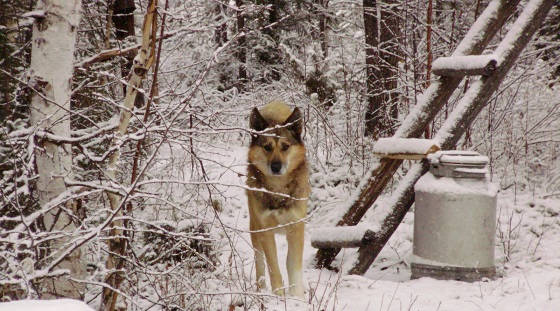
{"x": 454, "y": 127}
{"x": 478, "y": 37}
{"x": 116, "y": 242}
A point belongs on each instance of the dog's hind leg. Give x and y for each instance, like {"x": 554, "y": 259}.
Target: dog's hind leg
{"x": 295, "y": 237}
{"x": 268, "y": 244}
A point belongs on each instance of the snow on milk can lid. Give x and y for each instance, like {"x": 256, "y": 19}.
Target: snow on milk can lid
{"x": 458, "y": 163}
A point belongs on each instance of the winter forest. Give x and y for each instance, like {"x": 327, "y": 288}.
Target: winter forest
{"x": 124, "y": 134}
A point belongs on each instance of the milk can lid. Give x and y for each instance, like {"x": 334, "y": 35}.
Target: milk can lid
{"x": 458, "y": 157}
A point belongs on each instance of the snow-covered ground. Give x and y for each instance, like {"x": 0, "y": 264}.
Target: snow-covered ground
{"x": 45, "y": 305}
{"x": 527, "y": 251}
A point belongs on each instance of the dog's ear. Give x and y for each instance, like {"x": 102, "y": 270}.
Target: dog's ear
{"x": 256, "y": 120}
{"x": 295, "y": 121}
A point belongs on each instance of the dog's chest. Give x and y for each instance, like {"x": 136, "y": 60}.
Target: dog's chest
{"x": 281, "y": 216}
{"x": 279, "y": 197}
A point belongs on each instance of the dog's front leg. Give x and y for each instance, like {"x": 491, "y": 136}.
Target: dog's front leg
{"x": 295, "y": 237}
{"x": 268, "y": 245}
{"x": 259, "y": 260}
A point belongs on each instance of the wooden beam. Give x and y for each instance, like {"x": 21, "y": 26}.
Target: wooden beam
{"x": 470, "y": 65}
{"x": 342, "y": 237}
{"x": 404, "y": 148}
{"x": 439, "y": 92}
{"x": 454, "y": 127}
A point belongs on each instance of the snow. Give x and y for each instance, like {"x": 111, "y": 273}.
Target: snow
{"x": 452, "y": 123}
{"x": 515, "y": 31}
{"x": 528, "y": 280}
{"x": 527, "y": 248}
{"x": 454, "y": 186}
{"x": 405, "y": 184}
{"x": 405, "y": 146}
{"x": 473, "y": 160}
{"x": 35, "y": 14}
{"x": 345, "y": 233}
{"x": 480, "y": 26}
{"x": 45, "y": 305}
{"x": 467, "y": 62}
{"x": 458, "y": 157}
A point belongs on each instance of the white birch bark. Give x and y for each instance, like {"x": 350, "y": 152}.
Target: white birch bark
{"x": 54, "y": 38}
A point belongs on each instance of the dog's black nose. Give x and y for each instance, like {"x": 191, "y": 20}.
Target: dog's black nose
{"x": 275, "y": 167}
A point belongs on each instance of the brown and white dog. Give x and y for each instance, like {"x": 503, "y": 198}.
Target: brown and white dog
{"x": 278, "y": 169}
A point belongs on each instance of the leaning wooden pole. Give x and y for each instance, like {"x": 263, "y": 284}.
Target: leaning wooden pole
{"x": 454, "y": 127}
{"x": 142, "y": 63}
{"x": 439, "y": 92}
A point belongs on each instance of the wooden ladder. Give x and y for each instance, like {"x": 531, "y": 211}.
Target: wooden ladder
{"x": 492, "y": 69}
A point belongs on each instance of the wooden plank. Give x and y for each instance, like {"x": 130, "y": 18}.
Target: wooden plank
{"x": 402, "y": 156}
{"x": 342, "y": 237}
{"x": 404, "y": 148}
{"x": 439, "y": 92}
{"x": 470, "y": 65}
{"x": 454, "y": 127}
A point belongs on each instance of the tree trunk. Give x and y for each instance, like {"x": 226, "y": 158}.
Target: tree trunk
{"x": 123, "y": 20}
{"x": 271, "y": 28}
{"x": 381, "y": 33}
{"x": 430, "y": 56}
{"x": 323, "y": 37}
{"x": 242, "y": 48}
{"x": 54, "y": 39}
{"x": 220, "y": 32}
{"x": 117, "y": 244}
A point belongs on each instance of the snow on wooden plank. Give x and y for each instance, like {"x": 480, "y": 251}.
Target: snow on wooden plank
{"x": 469, "y": 65}
{"x": 404, "y": 148}
{"x": 342, "y": 237}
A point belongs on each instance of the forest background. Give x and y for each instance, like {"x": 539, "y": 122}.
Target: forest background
{"x": 178, "y": 238}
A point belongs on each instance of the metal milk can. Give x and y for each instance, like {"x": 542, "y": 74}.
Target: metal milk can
{"x": 454, "y": 219}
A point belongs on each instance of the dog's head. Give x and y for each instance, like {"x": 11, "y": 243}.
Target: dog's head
{"x": 279, "y": 148}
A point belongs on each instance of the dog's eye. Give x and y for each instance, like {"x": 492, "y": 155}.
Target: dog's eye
{"x": 285, "y": 147}
{"x": 268, "y": 148}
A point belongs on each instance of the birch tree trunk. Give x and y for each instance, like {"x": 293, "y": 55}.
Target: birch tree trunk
{"x": 54, "y": 38}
